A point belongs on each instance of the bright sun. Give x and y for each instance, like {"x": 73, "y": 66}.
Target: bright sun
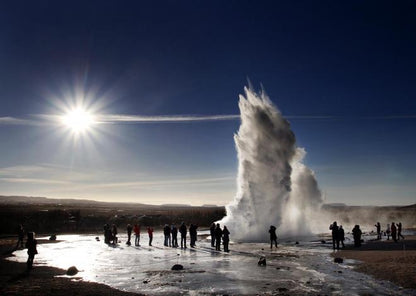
{"x": 78, "y": 120}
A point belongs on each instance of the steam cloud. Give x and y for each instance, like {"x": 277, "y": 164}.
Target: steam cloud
{"x": 273, "y": 186}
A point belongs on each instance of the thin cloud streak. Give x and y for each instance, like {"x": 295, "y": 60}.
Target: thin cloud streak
{"x": 7, "y": 120}
{"x": 34, "y": 181}
{"x": 43, "y": 119}
{"x": 113, "y": 118}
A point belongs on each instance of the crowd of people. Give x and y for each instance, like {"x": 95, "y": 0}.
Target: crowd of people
{"x": 218, "y": 235}
{"x": 170, "y": 233}
{"x": 338, "y": 234}
{"x": 393, "y": 230}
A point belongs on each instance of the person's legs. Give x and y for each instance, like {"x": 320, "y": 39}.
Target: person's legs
{"x": 30, "y": 262}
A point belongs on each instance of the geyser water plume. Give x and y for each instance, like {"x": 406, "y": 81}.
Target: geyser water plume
{"x": 273, "y": 186}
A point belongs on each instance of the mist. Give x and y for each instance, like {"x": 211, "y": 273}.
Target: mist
{"x": 274, "y": 187}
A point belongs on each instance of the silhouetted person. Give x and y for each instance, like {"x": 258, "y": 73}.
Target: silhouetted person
{"x": 174, "y": 236}
{"x": 166, "y": 232}
{"x": 20, "y": 236}
{"x": 129, "y": 230}
{"x": 335, "y": 235}
{"x": 150, "y": 233}
{"x": 341, "y": 235}
{"x": 107, "y": 233}
{"x": 183, "y": 230}
{"x": 356, "y": 233}
{"x": 399, "y": 231}
{"x": 212, "y": 232}
{"x": 225, "y": 238}
{"x": 136, "y": 235}
{"x": 273, "y": 236}
{"x": 388, "y": 230}
{"x": 394, "y": 232}
{"x": 378, "y": 227}
{"x": 31, "y": 249}
{"x": 114, "y": 233}
{"x": 193, "y": 234}
{"x": 218, "y": 235}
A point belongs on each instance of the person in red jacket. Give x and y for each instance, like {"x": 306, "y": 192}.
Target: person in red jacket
{"x": 150, "y": 233}
{"x": 136, "y": 230}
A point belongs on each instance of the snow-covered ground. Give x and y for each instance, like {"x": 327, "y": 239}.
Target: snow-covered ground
{"x": 304, "y": 268}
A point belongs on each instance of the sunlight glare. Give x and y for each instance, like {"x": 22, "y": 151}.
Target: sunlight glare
{"x": 78, "y": 120}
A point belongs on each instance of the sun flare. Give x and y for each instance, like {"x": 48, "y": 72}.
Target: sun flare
{"x": 78, "y": 120}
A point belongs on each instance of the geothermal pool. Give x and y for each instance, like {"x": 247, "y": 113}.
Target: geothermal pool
{"x": 305, "y": 268}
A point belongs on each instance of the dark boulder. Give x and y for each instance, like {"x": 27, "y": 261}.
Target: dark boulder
{"x": 338, "y": 260}
{"x": 262, "y": 261}
{"x": 177, "y": 267}
{"x": 72, "y": 271}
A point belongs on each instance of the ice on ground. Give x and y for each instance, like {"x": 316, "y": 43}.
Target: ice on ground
{"x": 304, "y": 268}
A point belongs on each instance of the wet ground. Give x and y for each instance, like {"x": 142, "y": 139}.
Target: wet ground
{"x": 293, "y": 269}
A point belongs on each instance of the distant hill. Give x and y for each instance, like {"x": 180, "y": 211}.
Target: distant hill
{"x": 39, "y": 200}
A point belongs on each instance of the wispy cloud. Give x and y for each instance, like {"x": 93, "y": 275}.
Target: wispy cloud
{"x": 114, "y": 118}
{"x": 16, "y": 121}
{"x": 42, "y": 119}
{"x": 171, "y": 182}
{"x": 34, "y": 181}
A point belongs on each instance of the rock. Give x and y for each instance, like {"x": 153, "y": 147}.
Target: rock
{"x": 145, "y": 281}
{"x": 52, "y": 237}
{"x": 297, "y": 243}
{"x": 262, "y": 261}
{"x": 177, "y": 267}
{"x": 338, "y": 260}
{"x": 72, "y": 271}
{"x": 339, "y": 271}
{"x": 323, "y": 242}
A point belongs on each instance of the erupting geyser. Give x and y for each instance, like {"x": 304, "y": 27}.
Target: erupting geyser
{"x": 273, "y": 186}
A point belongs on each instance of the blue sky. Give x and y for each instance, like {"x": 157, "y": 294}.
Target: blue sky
{"x": 343, "y": 73}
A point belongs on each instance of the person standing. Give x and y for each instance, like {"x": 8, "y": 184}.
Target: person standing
{"x": 31, "y": 249}
{"x": 212, "y": 232}
{"x": 150, "y": 233}
{"x": 356, "y": 233}
{"x": 174, "y": 236}
{"x": 273, "y": 236}
{"x": 20, "y": 236}
{"x": 341, "y": 235}
{"x": 166, "y": 232}
{"x": 129, "y": 229}
{"x": 388, "y": 231}
{"x": 393, "y": 232}
{"x": 225, "y": 238}
{"x": 114, "y": 234}
{"x": 399, "y": 231}
{"x": 378, "y": 227}
{"x": 335, "y": 235}
{"x": 183, "y": 230}
{"x": 137, "y": 235}
{"x": 218, "y": 235}
{"x": 107, "y": 233}
{"x": 193, "y": 234}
